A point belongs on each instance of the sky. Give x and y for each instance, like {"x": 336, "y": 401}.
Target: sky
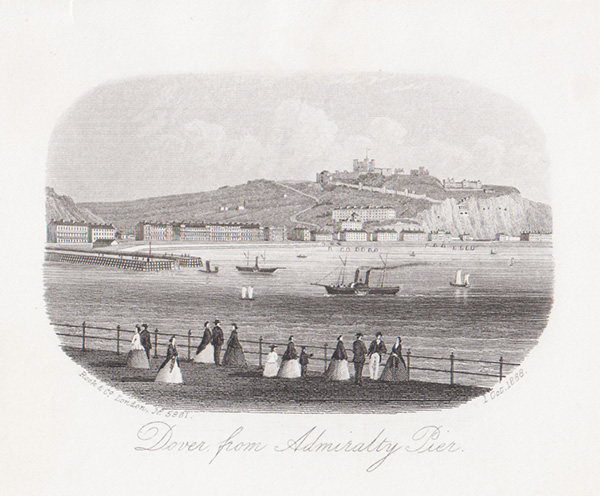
{"x": 71, "y": 48}
{"x": 164, "y": 135}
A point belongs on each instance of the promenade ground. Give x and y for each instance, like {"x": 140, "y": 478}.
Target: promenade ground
{"x": 207, "y": 387}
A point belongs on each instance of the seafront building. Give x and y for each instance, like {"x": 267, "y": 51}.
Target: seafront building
{"x": 536, "y": 236}
{"x": 65, "y": 231}
{"x": 154, "y": 231}
{"x": 412, "y": 235}
{"x": 273, "y": 233}
{"x": 322, "y": 236}
{"x": 102, "y": 232}
{"x": 194, "y": 232}
{"x": 352, "y": 236}
{"x": 385, "y": 235}
{"x": 300, "y": 233}
{"x": 506, "y": 237}
{"x": 440, "y": 236}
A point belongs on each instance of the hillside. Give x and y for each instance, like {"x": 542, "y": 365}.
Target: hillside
{"x": 287, "y": 204}
{"x": 428, "y": 185}
{"x": 265, "y": 202}
{"x": 64, "y": 208}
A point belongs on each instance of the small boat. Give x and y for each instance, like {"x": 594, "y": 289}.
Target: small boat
{"x": 459, "y": 282}
{"x": 207, "y": 269}
{"x": 247, "y": 293}
{"x": 301, "y": 255}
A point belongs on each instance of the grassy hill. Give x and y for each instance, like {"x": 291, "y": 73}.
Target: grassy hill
{"x": 279, "y": 204}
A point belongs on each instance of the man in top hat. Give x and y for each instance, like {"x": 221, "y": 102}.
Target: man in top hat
{"x": 376, "y": 351}
{"x": 217, "y": 341}
{"x": 360, "y": 353}
{"x": 304, "y": 357}
{"x": 146, "y": 340}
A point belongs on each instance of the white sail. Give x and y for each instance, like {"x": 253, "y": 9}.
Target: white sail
{"x": 250, "y": 292}
{"x": 244, "y": 292}
{"x": 458, "y": 277}
{"x": 467, "y": 279}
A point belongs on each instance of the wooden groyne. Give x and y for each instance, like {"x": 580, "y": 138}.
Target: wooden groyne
{"x": 116, "y": 260}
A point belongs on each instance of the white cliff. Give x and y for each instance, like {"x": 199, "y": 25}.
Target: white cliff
{"x": 484, "y": 217}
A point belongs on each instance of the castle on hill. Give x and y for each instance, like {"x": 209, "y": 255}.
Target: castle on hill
{"x": 367, "y": 166}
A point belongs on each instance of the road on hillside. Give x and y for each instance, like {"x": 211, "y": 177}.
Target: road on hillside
{"x": 294, "y": 217}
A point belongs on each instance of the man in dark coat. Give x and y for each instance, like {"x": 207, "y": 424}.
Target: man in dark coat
{"x": 304, "y": 361}
{"x": 146, "y": 340}
{"x": 360, "y": 354}
{"x": 217, "y": 341}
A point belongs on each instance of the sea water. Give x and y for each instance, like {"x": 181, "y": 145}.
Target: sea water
{"x": 503, "y": 313}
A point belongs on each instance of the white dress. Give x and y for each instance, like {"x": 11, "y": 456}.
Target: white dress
{"x": 337, "y": 371}
{"x": 271, "y": 365}
{"x": 290, "y": 369}
{"x": 137, "y": 358}
{"x": 169, "y": 371}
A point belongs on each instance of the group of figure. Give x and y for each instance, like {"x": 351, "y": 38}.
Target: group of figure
{"x": 139, "y": 356}
{"x": 292, "y": 365}
{"x": 209, "y": 350}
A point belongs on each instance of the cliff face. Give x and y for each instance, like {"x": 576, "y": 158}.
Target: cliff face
{"x": 484, "y": 217}
{"x": 64, "y": 208}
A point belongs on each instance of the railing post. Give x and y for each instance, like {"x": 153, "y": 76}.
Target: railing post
{"x": 155, "y": 343}
{"x": 325, "y": 356}
{"x": 189, "y": 345}
{"x": 260, "y": 343}
{"x": 118, "y": 340}
{"x": 83, "y": 336}
{"x": 500, "y": 371}
{"x": 408, "y": 364}
{"x": 452, "y": 368}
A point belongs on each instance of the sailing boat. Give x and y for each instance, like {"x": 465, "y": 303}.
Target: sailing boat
{"x": 247, "y": 293}
{"x": 361, "y": 286}
{"x": 459, "y": 282}
{"x": 255, "y": 269}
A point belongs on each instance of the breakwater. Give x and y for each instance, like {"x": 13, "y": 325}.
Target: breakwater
{"x": 115, "y": 260}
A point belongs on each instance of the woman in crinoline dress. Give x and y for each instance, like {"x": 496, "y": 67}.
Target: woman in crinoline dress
{"x": 234, "y": 354}
{"x": 137, "y": 358}
{"x": 206, "y": 351}
{"x": 169, "y": 371}
{"x": 338, "y": 367}
{"x": 395, "y": 368}
{"x": 290, "y": 364}
{"x": 272, "y": 363}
